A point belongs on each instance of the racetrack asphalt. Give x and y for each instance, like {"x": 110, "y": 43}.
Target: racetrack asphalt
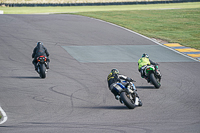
{"x": 74, "y": 97}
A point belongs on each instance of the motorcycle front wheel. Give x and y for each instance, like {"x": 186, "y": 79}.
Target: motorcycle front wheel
{"x": 127, "y": 101}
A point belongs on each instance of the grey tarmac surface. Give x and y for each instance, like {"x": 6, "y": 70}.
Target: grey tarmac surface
{"x": 74, "y": 97}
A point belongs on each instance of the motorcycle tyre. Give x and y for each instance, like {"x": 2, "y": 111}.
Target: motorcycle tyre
{"x": 154, "y": 81}
{"x": 127, "y": 101}
{"x": 42, "y": 71}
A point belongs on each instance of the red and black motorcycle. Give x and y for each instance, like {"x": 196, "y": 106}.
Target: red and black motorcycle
{"x": 42, "y": 66}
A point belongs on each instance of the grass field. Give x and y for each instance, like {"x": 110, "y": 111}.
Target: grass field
{"x": 171, "y": 22}
{"x": 180, "y": 25}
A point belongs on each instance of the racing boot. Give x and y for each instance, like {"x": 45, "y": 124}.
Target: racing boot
{"x": 140, "y": 102}
{"x": 117, "y": 97}
{"x": 148, "y": 80}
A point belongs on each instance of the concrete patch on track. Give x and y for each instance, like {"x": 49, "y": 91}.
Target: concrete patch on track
{"x": 123, "y": 53}
{"x": 191, "y": 52}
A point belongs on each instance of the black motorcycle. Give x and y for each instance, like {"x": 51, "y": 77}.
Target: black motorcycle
{"x": 42, "y": 66}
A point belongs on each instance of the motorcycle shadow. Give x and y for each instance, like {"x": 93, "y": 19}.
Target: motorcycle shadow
{"x": 109, "y": 107}
{"x": 25, "y": 77}
{"x": 145, "y": 87}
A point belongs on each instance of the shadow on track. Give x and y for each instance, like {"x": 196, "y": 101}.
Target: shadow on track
{"x": 25, "y": 77}
{"x": 107, "y": 107}
{"x": 145, "y": 87}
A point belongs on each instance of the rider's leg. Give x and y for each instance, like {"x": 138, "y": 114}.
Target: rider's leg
{"x": 47, "y": 65}
{"x": 48, "y": 60}
{"x": 116, "y": 93}
{"x": 116, "y": 89}
{"x": 35, "y": 64}
{"x": 142, "y": 69}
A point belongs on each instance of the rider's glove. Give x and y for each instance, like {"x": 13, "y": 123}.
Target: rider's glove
{"x": 129, "y": 79}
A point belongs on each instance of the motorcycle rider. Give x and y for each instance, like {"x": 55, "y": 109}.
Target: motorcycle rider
{"x": 143, "y": 63}
{"x": 113, "y": 78}
{"x": 40, "y": 50}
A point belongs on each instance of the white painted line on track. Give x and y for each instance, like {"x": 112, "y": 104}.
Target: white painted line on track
{"x": 146, "y": 38}
{"x": 4, "y": 116}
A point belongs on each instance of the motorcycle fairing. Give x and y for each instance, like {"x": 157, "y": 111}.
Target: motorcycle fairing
{"x": 148, "y": 69}
{"x": 119, "y": 87}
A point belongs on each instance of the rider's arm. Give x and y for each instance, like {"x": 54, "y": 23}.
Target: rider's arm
{"x": 122, "y": 77}
{"x": 47, "y": 53}
{"x": 125, "y": 78}
{"x": 33, "y": 55}
{"x": 153, "y": 63}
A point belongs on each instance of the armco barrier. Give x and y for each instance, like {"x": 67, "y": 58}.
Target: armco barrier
{"x": 94, "y": 4}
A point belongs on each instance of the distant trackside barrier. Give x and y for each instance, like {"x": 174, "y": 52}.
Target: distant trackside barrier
{"x": 95, "y": 3}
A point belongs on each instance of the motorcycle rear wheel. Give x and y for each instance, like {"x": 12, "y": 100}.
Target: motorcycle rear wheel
{"x": 42, "y": 71}
{"x": 154, "y": 81}
{"x": 128, "y": 102}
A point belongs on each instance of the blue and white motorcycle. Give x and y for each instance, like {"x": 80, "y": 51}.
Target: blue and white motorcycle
{"x": 128, "y": 94}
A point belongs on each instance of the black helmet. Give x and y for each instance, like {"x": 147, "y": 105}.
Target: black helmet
{"x": 114, "y": 71}
{"x": 145, "y": 55}
{"x": 39, "y": 43}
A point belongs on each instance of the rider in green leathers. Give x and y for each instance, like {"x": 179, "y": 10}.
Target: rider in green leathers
{"x": 142, "y": 64}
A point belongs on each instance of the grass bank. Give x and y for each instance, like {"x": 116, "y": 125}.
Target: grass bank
{"x": 178, "y": 22}
{"x": 177, "y": 25}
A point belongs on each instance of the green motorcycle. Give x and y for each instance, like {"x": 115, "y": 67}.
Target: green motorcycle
{"x": 153, "y": 75}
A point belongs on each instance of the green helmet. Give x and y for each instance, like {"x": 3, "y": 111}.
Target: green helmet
{"x": 114, "y": 71}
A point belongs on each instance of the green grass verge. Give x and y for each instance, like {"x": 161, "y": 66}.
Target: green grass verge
{"x": 179, "y": 25}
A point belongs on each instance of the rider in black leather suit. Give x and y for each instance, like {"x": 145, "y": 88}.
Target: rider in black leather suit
{"x": 40, "y": 50}
{"x": 113, "y": 78}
